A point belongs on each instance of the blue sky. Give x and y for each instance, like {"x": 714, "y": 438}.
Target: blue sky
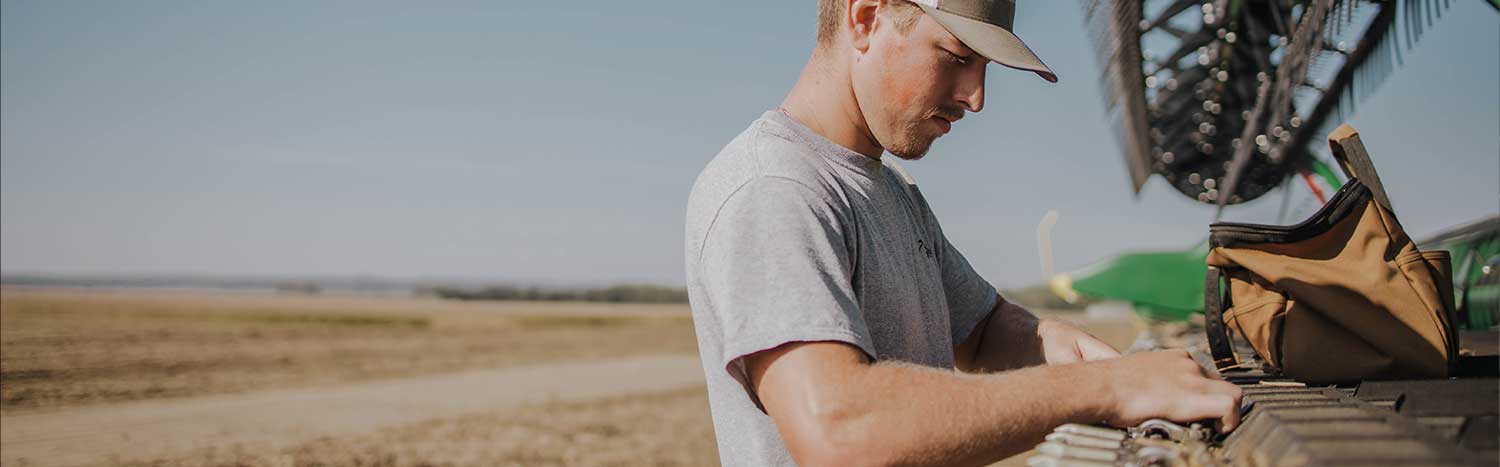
{"x": 557, "y": 141}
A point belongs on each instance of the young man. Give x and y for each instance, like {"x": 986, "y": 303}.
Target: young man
{"x": 832, "y": 313}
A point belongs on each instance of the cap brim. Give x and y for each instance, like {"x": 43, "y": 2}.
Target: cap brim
{"x": 991, "y": 41}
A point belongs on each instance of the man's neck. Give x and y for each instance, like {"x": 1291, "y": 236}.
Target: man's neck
{"x": 823, "y": 100}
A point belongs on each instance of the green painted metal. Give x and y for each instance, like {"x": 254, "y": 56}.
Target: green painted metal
{"x": 1472, "y": 247}
{"x": 1165, "y": 285}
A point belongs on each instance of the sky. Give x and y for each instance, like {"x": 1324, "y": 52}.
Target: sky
{"x": 556, "y": 142}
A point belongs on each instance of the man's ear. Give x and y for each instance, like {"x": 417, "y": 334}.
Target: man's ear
{"x": 860, "y": 17}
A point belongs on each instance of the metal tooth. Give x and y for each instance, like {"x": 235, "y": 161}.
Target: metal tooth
{"x": 1164, "y": 428}
{"x": 1094, "y": 431}
{"x": 1084, "y": 441}
{"x": 1077, "y": 452}
{"x": 1168, "y": 430}
{"x": 1054, "y": 461}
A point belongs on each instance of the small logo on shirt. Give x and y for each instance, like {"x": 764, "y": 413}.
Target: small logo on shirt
{"x": 921, "y": 245}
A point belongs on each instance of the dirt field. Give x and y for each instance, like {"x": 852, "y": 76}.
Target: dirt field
{"x": 666, "y": 428}
{"x": 159, "y": 379}
{"x": 70, "y": 348}
{"x": 275, "y": 421}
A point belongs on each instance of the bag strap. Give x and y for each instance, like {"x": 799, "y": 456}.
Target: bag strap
{"x": 1213, "y": 321}
{"x": 1355, "y": 161}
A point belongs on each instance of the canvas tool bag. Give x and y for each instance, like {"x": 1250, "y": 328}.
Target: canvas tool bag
{"x": 1340, "y": 297}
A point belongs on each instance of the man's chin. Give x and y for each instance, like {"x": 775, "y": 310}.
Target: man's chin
{"x": 913, "y": 151}
{"x": 910, "y": 157}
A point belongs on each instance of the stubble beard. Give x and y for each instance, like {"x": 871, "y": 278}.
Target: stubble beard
{"x": 915, "y": 138}
{"x": 912, "y": 141}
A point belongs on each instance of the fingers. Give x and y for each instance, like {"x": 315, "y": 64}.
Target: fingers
{"x": 1091, "y": 348}
{"x": 1218, "y": 401}
{"x": 1209, "y": 372}
{"x": 1209, "y": 396}
{"x": 1175, "y": 387}
{"x": 1231, "y": 409}
{"x": 1072, "y": 344}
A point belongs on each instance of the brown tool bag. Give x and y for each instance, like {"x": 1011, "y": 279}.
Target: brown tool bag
{"x": 1340, "y": 297}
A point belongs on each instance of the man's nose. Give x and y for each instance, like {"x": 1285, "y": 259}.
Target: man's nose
{"x": 971, "y": 88}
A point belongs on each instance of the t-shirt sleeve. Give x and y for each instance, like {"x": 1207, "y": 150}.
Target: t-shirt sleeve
{"x": 776, "y": 268}
{"x": 970, "y": 297}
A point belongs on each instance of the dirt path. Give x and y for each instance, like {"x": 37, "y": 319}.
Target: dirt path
{"x": 277, "y": 419}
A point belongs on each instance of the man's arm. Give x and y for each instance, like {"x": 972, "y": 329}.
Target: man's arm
{"x": 1011, "y": 337}
{"x": 833, "y": 406}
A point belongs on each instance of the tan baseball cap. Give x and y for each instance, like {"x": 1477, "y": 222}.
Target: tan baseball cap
{"x": 985, "y": 26}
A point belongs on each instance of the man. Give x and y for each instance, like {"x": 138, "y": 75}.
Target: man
{"x": 831, "y": 311}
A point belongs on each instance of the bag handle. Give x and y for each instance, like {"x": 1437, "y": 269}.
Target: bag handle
{"x": 1350, "y": 152}
{"x": 1213, "y": 321}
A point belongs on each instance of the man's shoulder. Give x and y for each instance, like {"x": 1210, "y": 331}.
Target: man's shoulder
{"x": 767, "y": 163}
{"x": 765, "y": 150}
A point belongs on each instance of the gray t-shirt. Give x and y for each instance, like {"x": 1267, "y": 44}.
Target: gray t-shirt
{"x": 791, "y": 238}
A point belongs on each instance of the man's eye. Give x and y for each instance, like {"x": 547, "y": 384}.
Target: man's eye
{"x": 953, "y": 57}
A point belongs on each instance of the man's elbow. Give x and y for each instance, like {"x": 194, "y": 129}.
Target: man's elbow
{"x": 833, "y": 452}
{"x": 835, "y": 438}
{"x": 819, "y": 456}
{"x": 814, "y": 394}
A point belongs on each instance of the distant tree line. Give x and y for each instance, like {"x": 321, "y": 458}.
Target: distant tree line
{"x": 615, "y": 294}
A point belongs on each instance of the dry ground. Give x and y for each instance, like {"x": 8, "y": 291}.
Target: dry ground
{"x": 64, "y": 351}
{"x": 275, "y": 421}
{"x": 68, "y": 348}
{"x": 668, "y": 428}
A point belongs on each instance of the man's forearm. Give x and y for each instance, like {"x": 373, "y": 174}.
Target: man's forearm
{"x": 906, "y": 414}
{"x": 833, "y": 407}
{"x": 1009, "y": 341}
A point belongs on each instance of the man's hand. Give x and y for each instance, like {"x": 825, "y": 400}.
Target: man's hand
{"x": 1168, "y": 384}
{"x": 1063, "y": 343}
{"x": 1011, "y": 338}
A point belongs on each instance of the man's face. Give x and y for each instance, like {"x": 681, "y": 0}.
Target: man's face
{"x": 912, "y": 86}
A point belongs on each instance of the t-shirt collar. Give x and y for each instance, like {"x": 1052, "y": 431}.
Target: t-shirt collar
{"x": 833, "y": 151}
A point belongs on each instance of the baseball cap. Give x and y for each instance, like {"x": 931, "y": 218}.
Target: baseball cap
{"x": 985, "y": 26}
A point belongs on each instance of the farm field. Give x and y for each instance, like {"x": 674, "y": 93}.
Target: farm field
{"x": 670, "y": 428}
{"x": 61, "y": 348}
{"x": 188, "y": 379}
